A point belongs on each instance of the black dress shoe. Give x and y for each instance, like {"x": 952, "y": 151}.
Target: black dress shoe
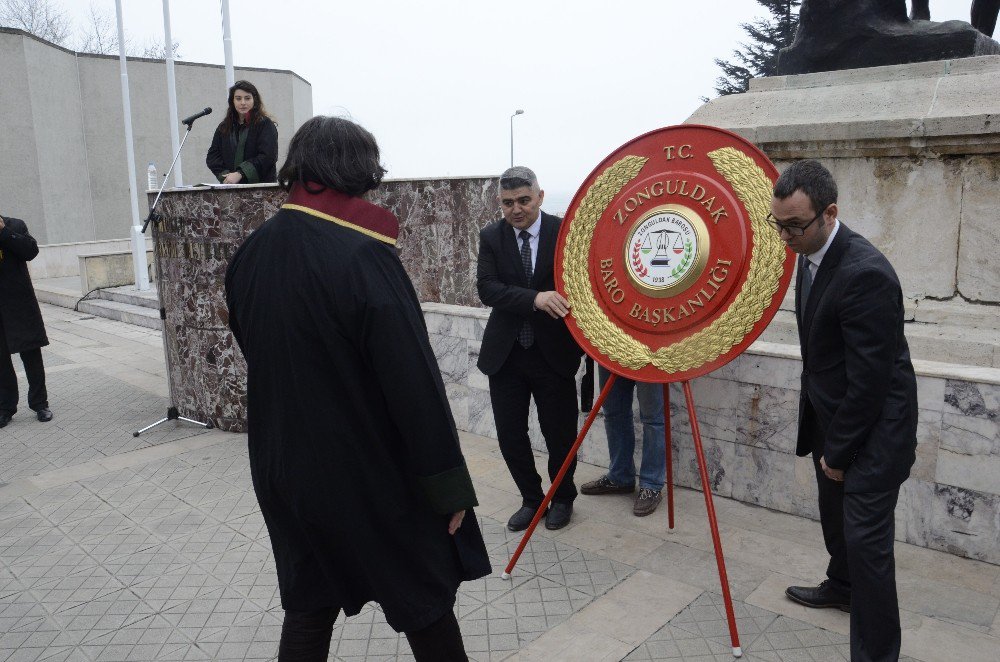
{"x": 4, "y": 419}
{"x": 520, "y": 520}
{"x": 44, "y": 415}
{"x": 558, "y": 515}
{"x": 820, "y": 597}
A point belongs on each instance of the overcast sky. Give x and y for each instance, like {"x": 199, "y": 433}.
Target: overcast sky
{"x": 436, "y": 81}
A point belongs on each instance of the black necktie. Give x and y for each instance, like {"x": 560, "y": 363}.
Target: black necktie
{"x": 807, "y": 281}
{"x": 526, "y": 336}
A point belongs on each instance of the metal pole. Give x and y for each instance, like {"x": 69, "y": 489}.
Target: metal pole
{"x": 516, "y": 113}
{"x": 138, "y": 240}
{"x": 713, "y": 523}
{"x": 172, "y": 91}
{"x": 669, "y": 454}
{"x": 227, "y": 43}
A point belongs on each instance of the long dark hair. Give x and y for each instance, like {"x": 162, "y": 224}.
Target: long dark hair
{"x": 334, "y": 153}
{"x": 256, "y": 114}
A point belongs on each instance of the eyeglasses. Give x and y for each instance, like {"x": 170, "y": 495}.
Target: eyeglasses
{"x": 792, "y": 230}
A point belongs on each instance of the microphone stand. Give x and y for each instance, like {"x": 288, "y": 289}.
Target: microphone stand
{"x": 154, "y": 217}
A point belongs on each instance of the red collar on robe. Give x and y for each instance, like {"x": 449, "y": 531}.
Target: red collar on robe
{"x": 350, "y": 212}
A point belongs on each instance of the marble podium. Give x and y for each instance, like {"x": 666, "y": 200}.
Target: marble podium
{"x": 202, "y": 227}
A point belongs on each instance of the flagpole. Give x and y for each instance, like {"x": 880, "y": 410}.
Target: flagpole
{"x": 138, "y": 240}
{"x": 227, "y": 43}
{"x": 172, "y": 92}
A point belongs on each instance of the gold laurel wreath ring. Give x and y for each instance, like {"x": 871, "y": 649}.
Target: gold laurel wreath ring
{"x": 767, "y": 256}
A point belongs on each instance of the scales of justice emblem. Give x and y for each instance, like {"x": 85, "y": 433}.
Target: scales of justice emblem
{"x": 663, "y": 249}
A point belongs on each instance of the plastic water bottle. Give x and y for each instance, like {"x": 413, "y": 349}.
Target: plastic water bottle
{"x": 151, "y": 180}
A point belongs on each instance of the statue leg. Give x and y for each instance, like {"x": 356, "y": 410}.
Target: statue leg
{"x": 920, "y": 10}
{"x": 984, "y": 15}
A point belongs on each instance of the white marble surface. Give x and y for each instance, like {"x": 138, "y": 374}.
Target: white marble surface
{"x": 748, "y": 420}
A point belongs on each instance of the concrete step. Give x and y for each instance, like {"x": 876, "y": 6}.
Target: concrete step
{"x": 63, "y": 292}
{"x": 944, "y": 343}
{"x": 123, "y": 312}
{"x": 128, "y": 294}
{"x": 124, "y": 304}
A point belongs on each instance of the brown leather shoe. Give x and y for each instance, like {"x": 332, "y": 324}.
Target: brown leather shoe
{"x": 603, "y": 485}
{"x": 646, "y": 502}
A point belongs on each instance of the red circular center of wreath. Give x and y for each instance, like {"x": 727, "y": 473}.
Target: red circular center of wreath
{"x": 666, "y": 257}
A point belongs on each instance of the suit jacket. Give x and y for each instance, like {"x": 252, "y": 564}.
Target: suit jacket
{"x": 502, "y": 285}
{"x": 857, "y": 379}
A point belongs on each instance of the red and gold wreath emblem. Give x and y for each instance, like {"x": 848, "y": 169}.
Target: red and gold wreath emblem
{"x": 666, "y": 257}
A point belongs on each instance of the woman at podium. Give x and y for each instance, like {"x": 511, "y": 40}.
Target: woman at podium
{"x": 245, "y": 146}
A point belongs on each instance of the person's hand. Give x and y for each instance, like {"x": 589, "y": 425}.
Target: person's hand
{"x": 1, "y": 223}
{"x": 831, "y": 473}
{"x": 456, "y": 521}
{"x": 233, "y": 178}
{"x": 553, "y": 303}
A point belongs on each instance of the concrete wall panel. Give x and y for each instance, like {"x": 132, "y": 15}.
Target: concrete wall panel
{"x": 64, "y": 165}
{"x": 20, "y": 187}
{"x": 57, "y": 111}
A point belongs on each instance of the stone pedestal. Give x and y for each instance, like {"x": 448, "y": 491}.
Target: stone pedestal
{"x": 915, "y": 150}
{"x": 202, "y": 228}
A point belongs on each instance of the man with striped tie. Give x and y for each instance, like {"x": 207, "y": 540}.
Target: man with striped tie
{"x": 527, "y": 351}
{"x": 857, "y": 407}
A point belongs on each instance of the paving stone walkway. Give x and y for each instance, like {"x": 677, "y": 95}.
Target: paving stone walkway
{"x": 153, "y": 548}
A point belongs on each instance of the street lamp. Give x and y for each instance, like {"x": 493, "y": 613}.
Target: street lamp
{"x": 516, "y": 113}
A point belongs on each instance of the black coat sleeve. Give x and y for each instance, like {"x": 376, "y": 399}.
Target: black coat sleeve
{"x": 15, "y": 238}
{"x": 393, "y": 337}
{"x": 215, "y": 159}
{"x": 256, "y": 166}
{"x": 870, "y": 311}
{"x": 231, "y": 301}
{"x": 493, "y": 290}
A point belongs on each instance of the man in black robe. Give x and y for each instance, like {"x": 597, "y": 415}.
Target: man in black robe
{"x": 21, "y": 328}
{"x": 354, "y": 454}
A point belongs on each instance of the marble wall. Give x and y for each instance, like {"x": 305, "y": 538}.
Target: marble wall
{"x": 201, "y": 229}
{"x": 747, "y": 415}
{"x": 440, "y": 220}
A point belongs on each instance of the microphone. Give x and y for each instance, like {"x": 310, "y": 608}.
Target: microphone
{"x": 190, "y": 120}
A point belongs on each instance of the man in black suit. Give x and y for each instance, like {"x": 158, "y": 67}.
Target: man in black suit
{"x": 858, "y": 405}
{"x": 527, "y": 349}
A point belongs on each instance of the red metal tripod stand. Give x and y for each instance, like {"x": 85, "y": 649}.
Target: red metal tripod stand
{"x": 706, "y": 489}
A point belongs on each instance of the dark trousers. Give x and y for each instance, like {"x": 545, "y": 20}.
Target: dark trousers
{"x": 526, "y": 374}
{"x": 859, "y": 532}
{"x": 305, "y": 637}
{"x": 34, "y": 369}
